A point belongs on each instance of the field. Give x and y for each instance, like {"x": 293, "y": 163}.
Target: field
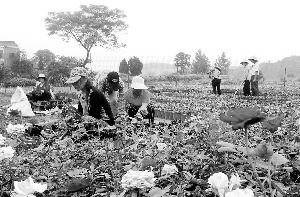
{"x": 260, "y": 146}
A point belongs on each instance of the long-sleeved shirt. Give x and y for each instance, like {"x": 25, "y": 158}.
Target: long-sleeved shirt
{"x": 247, "y": 73}
{"x": 143, "y": 98}
{"x": 254, "y": 68}
{"x": 105, "y": 86}
{"x": 215, "y": 73}
{"x": 94, "y": 103}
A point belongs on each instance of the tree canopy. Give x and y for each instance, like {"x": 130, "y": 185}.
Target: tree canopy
{"x": 43, "y": 58}
{"x": 223, "y": 63}
{"x": 135, "y": 66}
{"x": 201, "y": 63}
{"x": 182, "y": 60}
{"x": 93, "y": 25}
{"x": 124, "y": 67}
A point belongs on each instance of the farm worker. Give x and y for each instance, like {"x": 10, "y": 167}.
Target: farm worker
{"x": 254, "y": 70}
{"x": 137, "y": 100}
{"x": 113, "y": 85}
{"x": 42, "y": 91}
{"x": 91, "y": 99}
{"x": 216, "y": 80}
{"x": 247, "y": 77}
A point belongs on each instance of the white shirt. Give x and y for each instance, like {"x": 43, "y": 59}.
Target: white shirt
{"x": 216, "y": 73}
{"x": 254, "y": 68}
{"x": 247, "y": 73}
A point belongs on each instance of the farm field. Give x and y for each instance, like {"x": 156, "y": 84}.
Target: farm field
{"x": 181, "y": 154}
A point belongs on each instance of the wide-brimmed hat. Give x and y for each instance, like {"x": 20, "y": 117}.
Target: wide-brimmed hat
{"x": 138, "y": 83}
{"x": 76, "y": 74}
{"x": 244, "y": 61}
{"x": 253, "y": 58}
{"x": 218, "y": 67}
{"x": 41, "y": 76}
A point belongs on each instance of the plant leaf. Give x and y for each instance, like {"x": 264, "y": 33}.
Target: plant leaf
{"x": 278, "y": 159}
{"x": 157, "y": 192}
{"x": 227, "y": 149}
{"x": 225, "y": 144}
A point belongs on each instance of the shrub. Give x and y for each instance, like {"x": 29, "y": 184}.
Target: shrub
{"x": 22, "y": 82}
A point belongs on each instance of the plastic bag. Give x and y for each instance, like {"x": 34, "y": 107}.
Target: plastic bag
{"x": 18, "y": 96}
{"x": 20, "y": 102}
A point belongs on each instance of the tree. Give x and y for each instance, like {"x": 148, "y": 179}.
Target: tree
{"x": 43, "y": 58}
{"x": 93, "y": 25}
{"x": 135, "y": 66}
{"x": 201, "y": 63}
{"x": 21, "y": 66}
{"x": 58, "y": 73}
{"x": 223, "y": 63}
{"x": 123, "y": 68}
{"x": 70, "y": 61}
{"x": 182, "y": 60}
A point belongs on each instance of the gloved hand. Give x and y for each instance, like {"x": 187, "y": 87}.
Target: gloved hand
{"x": 144, "y": 112}
{"x": 111, "y": 122}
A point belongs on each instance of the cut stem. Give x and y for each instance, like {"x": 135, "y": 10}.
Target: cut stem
{"x": 251, "y": 163}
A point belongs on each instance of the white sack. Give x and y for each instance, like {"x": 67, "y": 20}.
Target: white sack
{"x": 20, "y": 102}
{"x": 18, "y": 96}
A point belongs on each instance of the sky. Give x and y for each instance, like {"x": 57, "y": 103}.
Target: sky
{"x": 268, "y": 29}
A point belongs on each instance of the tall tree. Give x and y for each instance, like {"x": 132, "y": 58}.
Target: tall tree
{"x": 223, "y": 63}
{"x": 135, "y": 66}
{"x": 43, "y": 58}
{"x": 182, "y": 60}
{"x": 58, "y": 73}
{"x": 201, "y": 63}
{"x": 93, "y": 25}
{"x": 70, "y": 61}
{"x": 123, "y": 68}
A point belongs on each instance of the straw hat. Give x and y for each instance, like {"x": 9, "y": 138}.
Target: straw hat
{"x": 41, "y": 76}
{"x": 244, "y": 61}
{"x": 253, "y": 58}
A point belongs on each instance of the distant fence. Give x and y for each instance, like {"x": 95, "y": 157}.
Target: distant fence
{"x": 153, "y": 65}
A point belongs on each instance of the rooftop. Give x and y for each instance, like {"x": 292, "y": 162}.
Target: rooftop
{"x": 8, "y": 43}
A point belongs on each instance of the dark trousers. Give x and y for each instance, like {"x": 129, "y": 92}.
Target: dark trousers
{"x": 254, "y": 86}
{"x": 246, "y": 88}
{"x": 216, "y": 85}
{"x": 38, "y": 96}
{"x": 132, "y": 111}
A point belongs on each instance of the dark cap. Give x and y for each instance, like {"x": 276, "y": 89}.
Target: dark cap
{"x": 113, "y": 77}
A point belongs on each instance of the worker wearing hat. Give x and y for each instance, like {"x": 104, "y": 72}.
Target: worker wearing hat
{"x": 137, "y": 100}
{"x": 91, "y": 99}
{"x": 254, "y": 70}
{"x": 43, "y": 91}
{"x": 214, "y": 74}
{"x": 247, "y": 77}
{"x": 113, "y": 85}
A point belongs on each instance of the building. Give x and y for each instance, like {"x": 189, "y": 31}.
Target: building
{"x": 8, "y": 51}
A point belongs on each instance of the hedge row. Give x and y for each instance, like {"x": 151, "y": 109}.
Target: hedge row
{"x": 22, "y": 82}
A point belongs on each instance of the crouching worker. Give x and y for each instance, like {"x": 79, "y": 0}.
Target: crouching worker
{"x": 113, "y": 86}
{"x": 137, "y": 100}
{"x": 91, "y": 99}
{"x": 42, "y": 91}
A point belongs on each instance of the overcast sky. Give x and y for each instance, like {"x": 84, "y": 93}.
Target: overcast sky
{"x": 268, "y": 29}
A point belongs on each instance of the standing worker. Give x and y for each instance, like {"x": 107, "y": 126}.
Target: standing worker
{"x": 254, "y": 70}
{"x": 216, "y": 80}
{"x": 247, "y": 78}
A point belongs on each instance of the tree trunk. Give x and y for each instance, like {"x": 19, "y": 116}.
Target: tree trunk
{"x": 87, "y": 58}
